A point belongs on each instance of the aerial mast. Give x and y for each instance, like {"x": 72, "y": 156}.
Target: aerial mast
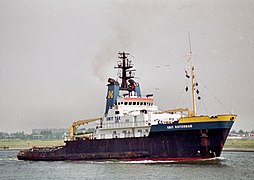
{"x": 125, "y": 66}
{"x": 192, "y": 81}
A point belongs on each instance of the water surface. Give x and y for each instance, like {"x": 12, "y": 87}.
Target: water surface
{"x": 232, "y": 165}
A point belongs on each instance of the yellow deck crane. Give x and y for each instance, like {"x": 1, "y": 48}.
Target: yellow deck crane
{"x": 76, "y": 124}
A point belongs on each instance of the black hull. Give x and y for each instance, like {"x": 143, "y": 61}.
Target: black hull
{"x": 161, "y": 145}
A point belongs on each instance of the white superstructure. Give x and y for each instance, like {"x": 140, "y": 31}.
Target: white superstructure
{"x": 133, "y": 116}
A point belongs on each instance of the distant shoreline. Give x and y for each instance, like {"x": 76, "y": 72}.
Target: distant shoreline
{"x": 26, "y": 144}
{"x": 238, "y": 149}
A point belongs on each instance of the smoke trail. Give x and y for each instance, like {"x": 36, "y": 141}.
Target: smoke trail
{"x": 125, "y": 20}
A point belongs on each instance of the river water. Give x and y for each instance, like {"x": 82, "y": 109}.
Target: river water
{"x": 231, "y": 165}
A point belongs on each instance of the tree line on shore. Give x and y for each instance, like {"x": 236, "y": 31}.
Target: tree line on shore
{"x": 43, "y": 135}
{"x": 241, "y": 132}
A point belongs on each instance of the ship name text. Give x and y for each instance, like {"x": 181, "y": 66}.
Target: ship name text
{"x": 184, "y": 126}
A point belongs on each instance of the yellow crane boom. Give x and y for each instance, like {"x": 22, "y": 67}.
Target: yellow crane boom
{"x": 76, "y": 124}
{"x": 176, "y": 110}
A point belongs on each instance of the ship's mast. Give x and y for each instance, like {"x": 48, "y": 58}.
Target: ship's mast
{"x": 192, "y": 81}
{"x": 126, "y": 71}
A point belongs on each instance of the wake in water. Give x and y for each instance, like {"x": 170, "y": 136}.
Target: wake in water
{"x": 216, "y": 160}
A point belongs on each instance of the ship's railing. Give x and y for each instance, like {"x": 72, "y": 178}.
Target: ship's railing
{"x": 124, "y": 124}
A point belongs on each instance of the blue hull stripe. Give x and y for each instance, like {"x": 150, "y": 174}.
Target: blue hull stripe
{"x": 192, "y": 126}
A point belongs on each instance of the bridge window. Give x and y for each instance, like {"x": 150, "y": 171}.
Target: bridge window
{"x": 130, "y": 103}
{"x": 141, "y": 103}
{"x": 134, "y": 103}
{"x": 125, "y": 103}
{"x": 145, "y": 103}
{"x": 137, "y": 103}
{"x": 117, "y": 118}
{"x": 109, "y": 118}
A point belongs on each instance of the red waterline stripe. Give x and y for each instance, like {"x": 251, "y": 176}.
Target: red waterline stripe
{"x": 169, "y": 159}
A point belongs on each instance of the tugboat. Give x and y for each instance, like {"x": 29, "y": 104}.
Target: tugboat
{"x": 134, "y": 129}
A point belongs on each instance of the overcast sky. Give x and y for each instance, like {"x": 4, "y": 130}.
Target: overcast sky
{"x": 56, "y": 57}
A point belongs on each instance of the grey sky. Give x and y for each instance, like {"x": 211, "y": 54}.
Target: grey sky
{"x": 56, "y": 57}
